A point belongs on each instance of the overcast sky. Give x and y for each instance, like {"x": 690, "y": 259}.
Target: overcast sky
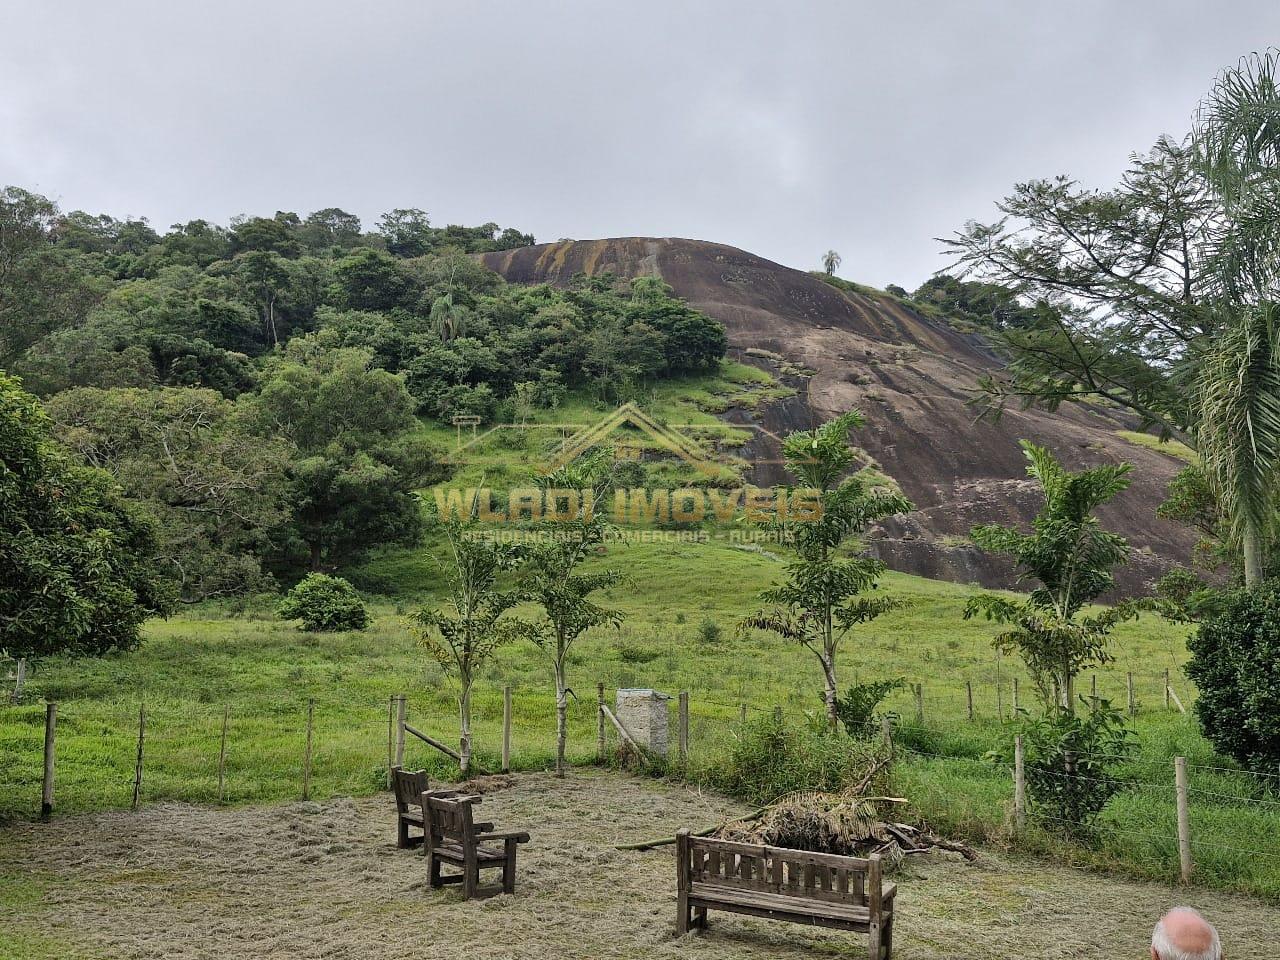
{"x": 781, "y": 127}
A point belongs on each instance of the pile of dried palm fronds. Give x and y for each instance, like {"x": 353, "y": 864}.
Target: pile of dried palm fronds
{"x": 847, "y": 822}
{"x": 844, "y": 823}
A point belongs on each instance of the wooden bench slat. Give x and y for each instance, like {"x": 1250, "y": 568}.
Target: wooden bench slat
{"x": 727, "y": 896}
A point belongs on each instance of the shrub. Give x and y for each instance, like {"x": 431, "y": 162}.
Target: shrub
{"x": 770, "y": 759}
{"x": 631, "y": 653}
{"x": 709, "y": 632}
{"x": 857, "y": 708}
{"x": 1070, "y": 766}
{"x": 1235, "y": 665}
{"x": 324, "y": 603}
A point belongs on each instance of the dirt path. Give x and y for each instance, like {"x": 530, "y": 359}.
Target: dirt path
{"x": 324, "y": 880}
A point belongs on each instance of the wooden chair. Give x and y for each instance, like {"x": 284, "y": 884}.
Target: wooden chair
{"x": 453, "y": 837}
{"x": 409, "y": 786}
{"x": 821, "y": 889}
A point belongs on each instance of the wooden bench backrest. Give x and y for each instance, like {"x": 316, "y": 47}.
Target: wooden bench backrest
{"x": 817, "y": 876}
{"x": 409, "y": 786}
{"x": 451, "y": 819}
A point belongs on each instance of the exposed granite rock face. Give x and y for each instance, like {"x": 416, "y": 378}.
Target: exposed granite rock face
{"x": 911, "y": 377}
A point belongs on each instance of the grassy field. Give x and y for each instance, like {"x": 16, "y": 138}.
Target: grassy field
{"x": 684, "y": 593}
{"x": 263, "y": 672}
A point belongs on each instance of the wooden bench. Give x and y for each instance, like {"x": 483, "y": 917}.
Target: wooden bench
{"x": 409, "y": 786}
{"x": 819, "y": 889}
{"x": 453, "y": 837}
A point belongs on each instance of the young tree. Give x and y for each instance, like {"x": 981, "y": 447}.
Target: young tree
{"x": 464, "y": 637}
{"x": 555, "y": 582}
{"x": 831, "y": 262}
{"x": 1069, "y": 557}
{"x": 77, "y": 567}
{"x": 821, "y": 599}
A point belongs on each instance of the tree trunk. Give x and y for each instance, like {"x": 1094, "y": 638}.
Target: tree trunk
{"x": 315, "y": 557}
{"x": 829, "y": 688}
{"x": 562, "y": 710}
{"x": 1069, "y": 692}
{"x": 464, "y": 743}
{"x": 1252, "y": 546}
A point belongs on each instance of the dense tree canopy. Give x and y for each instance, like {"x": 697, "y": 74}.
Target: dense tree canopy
{"x": 78, "y": 569}
{"x": 256, "y": 388}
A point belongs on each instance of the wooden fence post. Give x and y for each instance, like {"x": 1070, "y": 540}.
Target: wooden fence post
{"x": 968, "y": 686}
{"x": 742, "y": 713}
{"x": 506, "y": 729}
{"x": 306, "y": 759}
{"x": 600, "y": 748}
{"x": 919, "y": 691}
{"x": 391, "y": 726}
{"x": 1166, "y": 688}
{"x": 684, "y": 726}
{"x": 886, "y": 733}
{"x": 400, "y": 713}
{"x": 1015, "y": 697}
{"x": 1019, "y": 786}
{"x": 1184, "y": 818}
{"x": 1133, "y": 703}
{"x": 137, "y": 767}
{"x": 46, "y": 792}
{"x": 222, "y": 754}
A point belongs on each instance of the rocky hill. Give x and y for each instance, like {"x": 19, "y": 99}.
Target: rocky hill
{"x": 911, "y": 376}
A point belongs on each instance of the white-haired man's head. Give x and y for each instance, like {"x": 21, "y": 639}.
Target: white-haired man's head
{"x": 1182, "y": 934}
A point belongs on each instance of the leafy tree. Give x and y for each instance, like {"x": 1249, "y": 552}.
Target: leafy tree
{"x": 407, "y": 232}
{"x": 1161, "y": 294}
{"x": 218, "y": 491}
{"x": 463, "y": 636}
{"x": 77, "y": 568}
{"x": 330, "y": 227}
{"x": 276, "y": 235}
{"x": 354, "y": 484}
{"x": 1071, "y": 766}
{"x": 857, "y": 708}
{"x": 555, "y": 581}
{"x": 197, "y": 243}
{"x": 42, "y": 287}
{"x": 985, "y": 304}
{"x": 369, "y": 279}
{"x": 1235, "y": 665}
{"x": 822, "y": 597}
{"x": 322, "y": 602}
{"x": 691, "y": 340}
{"x": 830, "y": 263}
{"x": 1069, "y": 558}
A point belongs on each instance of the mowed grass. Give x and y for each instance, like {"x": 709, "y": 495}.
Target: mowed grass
{"x": 262, "y": 673}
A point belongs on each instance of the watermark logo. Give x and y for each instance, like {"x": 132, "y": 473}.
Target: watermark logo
{"x": 664, "y": 438}
{"x": 634, "y": 435}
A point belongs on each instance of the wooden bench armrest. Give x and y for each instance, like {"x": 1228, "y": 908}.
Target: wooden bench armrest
{"x": 517, "y": 836}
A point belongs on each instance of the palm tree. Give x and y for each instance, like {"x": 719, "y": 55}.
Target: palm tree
{"x": 831, "y": 262}
{"x": 1237, "y": 389}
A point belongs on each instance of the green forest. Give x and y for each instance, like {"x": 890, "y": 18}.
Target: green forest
{"x": 260, "y": 393}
